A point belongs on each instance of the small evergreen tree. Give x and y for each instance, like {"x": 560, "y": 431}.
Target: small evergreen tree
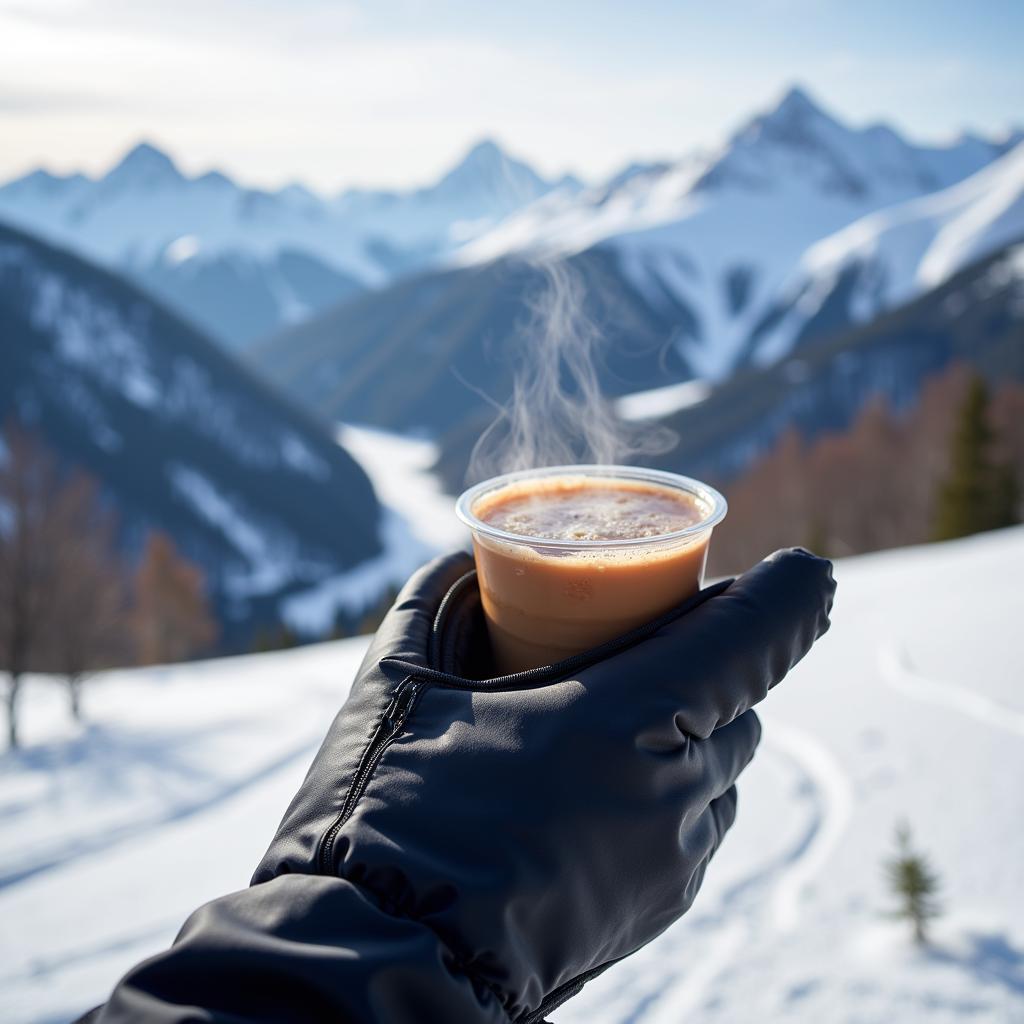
{"x": 978, "y": 492}
{"x": 914, "y": 884}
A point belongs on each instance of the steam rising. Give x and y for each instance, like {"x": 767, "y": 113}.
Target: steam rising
{"x": 557, "y": 414}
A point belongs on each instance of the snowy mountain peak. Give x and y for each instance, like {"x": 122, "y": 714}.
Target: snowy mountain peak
{"x": 39, "y": 178}
{"x": 569, "y": 184}
{"x": 796, "y": 119}
{"x": 144, "y": 166}
{"x": 300, "y": 195}
{"x": 797, "y": 122}
{"x": 488, "y": 169}
{"x": 486, "y": 152}
{"x": 215, "y": 179}
{"x": 796, "y": 104}
{"x": 43, "y": 184}
{"x": 800, "y": 145}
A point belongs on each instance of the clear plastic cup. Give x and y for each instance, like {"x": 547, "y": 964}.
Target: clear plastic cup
{"x": 547, "y": 599}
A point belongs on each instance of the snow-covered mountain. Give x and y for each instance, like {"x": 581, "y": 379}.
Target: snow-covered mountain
{"x": 711, "y": 243}
{"x": 975, "y": 318}
{"x": 686, "y": 269}
{"x": 421, "y": 354}
{"x": 485, "y": 187}
{"x": 910, "y": 708}
{"x": 722, "y": 233}
{"x": 182, "y": 438}
{"x": 889, "y": 257}
{"x": 240, "y": 261}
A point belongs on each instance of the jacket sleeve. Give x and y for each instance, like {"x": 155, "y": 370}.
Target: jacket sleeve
{"x": 295, "y": 949}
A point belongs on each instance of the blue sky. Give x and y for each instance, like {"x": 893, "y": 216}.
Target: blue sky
{"x": 338, "y": 93}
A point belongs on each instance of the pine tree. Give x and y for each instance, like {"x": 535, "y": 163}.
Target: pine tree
{"x": 978, "y": 492}
{"x": 914, "y": 884}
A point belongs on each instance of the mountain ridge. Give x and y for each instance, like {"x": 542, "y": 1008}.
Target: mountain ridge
{"x": 888, "y": 257}
{"x": 135, "y": 217}
{"x": 722, "y": 232}
{"x": 213, "y": 246}
{"x": 688, "y": 299}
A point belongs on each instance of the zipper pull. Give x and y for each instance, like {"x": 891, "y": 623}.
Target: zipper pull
{"x": 405, "y": 702}
{"x": 398, "y": 710}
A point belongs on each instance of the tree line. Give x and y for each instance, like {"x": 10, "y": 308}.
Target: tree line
{"x": 950, "y": 466}
{"x": 71, "y": 601}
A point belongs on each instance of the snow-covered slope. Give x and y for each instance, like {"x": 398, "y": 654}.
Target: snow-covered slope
{"x": 180, "y": 436}
{"x": 147, "y": 217}
{"x": 721, "y": 233}
{"x": 910, "y": 707}
{"x": 974, "y": 319}
{"x": 424, "y": 355}
{"x": 889, "y": 257}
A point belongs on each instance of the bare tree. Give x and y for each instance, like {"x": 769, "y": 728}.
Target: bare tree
{"x": 29, "y": 483}
{"x": 88, "y": 625}
{"x": 172, "y": 614}
{"x": 1007, "y": 417}
{"x": 869, "y": 487}
{"x": 62, "y": 585}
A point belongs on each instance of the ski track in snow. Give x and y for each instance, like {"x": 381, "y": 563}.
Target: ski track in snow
{"x": 128, "y": 941}
{"x": 897, "y": 671}
{"x": 743, "y": 915}
{"x": 111, "y": 836}
{"x": 833, "y": 797}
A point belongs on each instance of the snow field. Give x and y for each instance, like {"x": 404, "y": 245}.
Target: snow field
{"x": 168, "y": 794}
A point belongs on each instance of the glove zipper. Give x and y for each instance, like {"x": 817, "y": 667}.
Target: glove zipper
{"x": 387, "y": 731}
{"x": 564, "y": 993}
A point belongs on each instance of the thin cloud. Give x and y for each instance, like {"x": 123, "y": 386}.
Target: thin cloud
{"x": 27, "y": 104}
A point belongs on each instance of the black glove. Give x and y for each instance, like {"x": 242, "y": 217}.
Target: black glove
{"x": 547, "y": 824}
{"x": 473, "y": 849}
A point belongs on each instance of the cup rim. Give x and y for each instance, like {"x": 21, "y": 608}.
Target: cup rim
{"x": 704, "y": 493}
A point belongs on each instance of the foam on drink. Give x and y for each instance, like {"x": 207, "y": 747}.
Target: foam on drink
{"x": 572, "y": 509}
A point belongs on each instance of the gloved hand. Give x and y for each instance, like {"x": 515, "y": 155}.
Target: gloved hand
{"x": 544, "y": 825}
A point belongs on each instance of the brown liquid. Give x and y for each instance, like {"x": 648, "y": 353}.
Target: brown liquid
{"x": 544, "y": 604}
